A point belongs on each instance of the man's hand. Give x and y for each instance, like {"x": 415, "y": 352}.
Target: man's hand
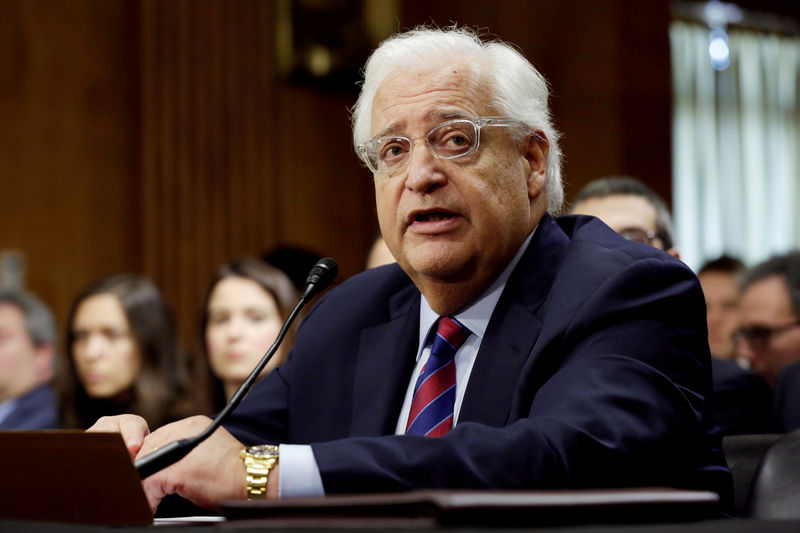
{"x": 210, "y": 473}
{"x": 132, "y": 428}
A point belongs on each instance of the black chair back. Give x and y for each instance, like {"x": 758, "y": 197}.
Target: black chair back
{"x": 775, "y": 493}
{"x": 744, "y": 454}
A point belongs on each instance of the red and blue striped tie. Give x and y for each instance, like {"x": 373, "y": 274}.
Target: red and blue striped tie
{"x": 435, "y": 391}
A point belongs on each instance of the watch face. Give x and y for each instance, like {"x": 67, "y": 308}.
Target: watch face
{"x": 263, "y": 450}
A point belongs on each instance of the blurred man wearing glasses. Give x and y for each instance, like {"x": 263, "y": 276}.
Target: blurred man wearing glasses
{"x": 769, "y": 330}
{"x": 769, "y": 317}
{"x": 630, "y": 208}
{"x": 570, "y": 357}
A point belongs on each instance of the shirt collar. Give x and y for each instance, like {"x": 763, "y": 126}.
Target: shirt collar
{"x": 476, "y": 316}
{"x": 7, "y": 407}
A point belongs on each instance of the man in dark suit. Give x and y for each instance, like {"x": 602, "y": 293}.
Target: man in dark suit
{"x": 584, "y": 361}
{"x": 787, "y": 397}
{"x": 27, "y": 352}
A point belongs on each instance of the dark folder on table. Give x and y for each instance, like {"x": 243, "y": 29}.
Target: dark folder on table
{"x": 490, "y": 508}
{"x": 70, "y": 476}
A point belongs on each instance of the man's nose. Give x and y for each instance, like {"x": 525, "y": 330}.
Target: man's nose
{"x": 424, "y": 169}
{"x": 744, "y": 351}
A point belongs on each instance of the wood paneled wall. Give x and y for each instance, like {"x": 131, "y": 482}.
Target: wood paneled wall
{"x": 69, "y": 136}
{"x": 158, "y": 135}
{"x": 234, "y": 159}
{"x": 210, "y": 183}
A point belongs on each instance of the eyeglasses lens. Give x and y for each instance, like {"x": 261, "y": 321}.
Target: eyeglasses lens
{"x": 636, "y": 235}
{"x": 757, "y": 338}
{"x": 453, "y": 139}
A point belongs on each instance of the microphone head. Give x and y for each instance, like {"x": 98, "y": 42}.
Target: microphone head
{"x": 321, "y": 276}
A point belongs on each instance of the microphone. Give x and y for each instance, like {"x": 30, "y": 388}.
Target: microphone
{"x": 319, "y": 278}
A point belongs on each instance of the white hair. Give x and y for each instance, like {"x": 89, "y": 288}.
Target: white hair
{"x": 518, "y": 90}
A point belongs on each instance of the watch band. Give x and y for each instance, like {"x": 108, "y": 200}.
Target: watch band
{"x": 259, "y": 461}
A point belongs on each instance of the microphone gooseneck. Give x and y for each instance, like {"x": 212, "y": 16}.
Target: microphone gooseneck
{"x": 319, "y": 278}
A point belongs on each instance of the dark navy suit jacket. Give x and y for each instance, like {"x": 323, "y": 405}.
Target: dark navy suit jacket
{"x": 787, "y": 398}
{"x": 743, "y": 402}
{"x": 35, "y": 410}
{"x": 594, "y": 372}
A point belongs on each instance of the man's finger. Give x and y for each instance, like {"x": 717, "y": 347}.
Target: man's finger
{"x": 134, "y": 437}
{"x": 133, "y": 430}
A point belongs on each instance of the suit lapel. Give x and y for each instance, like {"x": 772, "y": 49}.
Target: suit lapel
{"x": 513, "y": 329}
{"x": 503, "y": 352}
{"x": 386, "y": 359}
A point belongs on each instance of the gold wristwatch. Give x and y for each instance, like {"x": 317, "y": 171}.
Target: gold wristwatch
{"x": 259, "y": 460}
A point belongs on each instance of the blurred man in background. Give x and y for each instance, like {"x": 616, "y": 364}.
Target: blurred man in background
{"x": 630, "y": 208}
{"x": 718, "y": 278}
{"x": 769, "y": 320}
{"x": 27, "y": 352}
{"x": 769, "y": 331}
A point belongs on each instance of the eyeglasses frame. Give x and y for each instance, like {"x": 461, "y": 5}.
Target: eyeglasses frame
{"x": 748, "y": 335}
{"x": 650, "y": 235}
{"x": 477, "y": 122}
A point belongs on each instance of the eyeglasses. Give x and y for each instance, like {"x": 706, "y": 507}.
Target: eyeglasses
{"x": 449, "y": 140}
{"x": 639, "y": 235}
{"x": 758, "y": 337}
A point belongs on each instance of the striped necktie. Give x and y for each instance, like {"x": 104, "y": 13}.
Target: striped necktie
{"x": 435, "y": 391}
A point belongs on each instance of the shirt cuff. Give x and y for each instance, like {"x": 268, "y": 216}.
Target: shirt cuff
{"x": 299, "y": 472}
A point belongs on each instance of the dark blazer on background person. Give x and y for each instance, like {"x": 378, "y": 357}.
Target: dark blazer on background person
{"x": 34, "y": 410}
{"x": 743, "y": 402}
{"x": 594, "y": 371}
{"x": 787, "y": 398}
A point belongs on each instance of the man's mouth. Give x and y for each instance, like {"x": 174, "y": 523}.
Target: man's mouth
{"x": 432, "y": 217}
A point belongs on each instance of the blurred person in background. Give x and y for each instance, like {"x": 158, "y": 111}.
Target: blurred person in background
{"x": 245, "y": 306}
{"x": 27, "y": 355}
{"x": 123, "y": 355}
{"x": 630, "y": 208}
{"x": 718, "y": 278}
{"x": 768, "y": 337}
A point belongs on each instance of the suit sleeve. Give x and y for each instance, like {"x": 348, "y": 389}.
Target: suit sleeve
{"x": 612, "y": 394}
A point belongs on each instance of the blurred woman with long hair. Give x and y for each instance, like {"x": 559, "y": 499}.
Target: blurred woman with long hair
{"x": 245, "y": 305}
{"x": 122, "y": 355}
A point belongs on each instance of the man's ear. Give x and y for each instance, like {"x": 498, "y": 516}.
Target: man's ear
{"x": 536, "y": 148}
{"x": 44, "y": 361}
{"x": 674, "y": 252}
